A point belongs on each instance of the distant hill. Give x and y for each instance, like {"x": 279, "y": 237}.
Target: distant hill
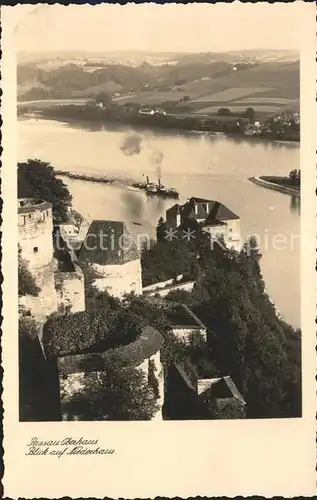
{"x": 122, "y": 56}
{"x": 206, "y": 80}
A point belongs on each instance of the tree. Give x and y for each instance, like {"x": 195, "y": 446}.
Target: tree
{"x": 246, "y": 338}
{"x": 294, "y": 176}
{"x": 209, "y": 409}
{"x": 37, "y": 179}
{"x": 38, "y": 386}
{"x": 161, "y": 230}
{"x": 224, "y": 112}
{"x": 26, "y": 282}
{"x": 103, "y": 98}
{"x": 250, "y": 114}
{"x": 163, "y": 261}
{"x": 120, "y": 393}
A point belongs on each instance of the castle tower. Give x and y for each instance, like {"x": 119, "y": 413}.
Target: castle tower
{"x": 35, "y": 225}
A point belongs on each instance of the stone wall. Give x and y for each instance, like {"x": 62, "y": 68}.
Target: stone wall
{"x": 161, "y": 284}
{"x": 188, "y": 286}
{"x": 70, "y": 289}
{"x": 35, "y": 227}
{"x": 43, "y": 305}
{"x": 35, "y": 238}
{"x": 119, "y": 279}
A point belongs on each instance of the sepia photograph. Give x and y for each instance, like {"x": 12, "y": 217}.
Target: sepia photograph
{"x": 159, "y": 213}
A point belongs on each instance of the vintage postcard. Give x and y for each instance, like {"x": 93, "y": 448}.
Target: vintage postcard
{"x": 159, "y": 231}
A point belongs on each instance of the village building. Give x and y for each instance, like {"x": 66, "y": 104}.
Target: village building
{"x": 212, "y": 216}
{"x": 184, "y": 324}
{"x": 112, "y": 253}
{"x": 191, "y": 397}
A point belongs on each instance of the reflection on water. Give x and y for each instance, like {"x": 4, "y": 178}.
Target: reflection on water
{"x": 295, "y": 204}
{"x": 212, "y": 167}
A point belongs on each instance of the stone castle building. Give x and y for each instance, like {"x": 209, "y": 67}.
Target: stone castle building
{"x": 35, "y": 228}
{"x": 212, "y": 216}
{"x": 144, "y": 354}
{"x": 56, "y": 257}
{"x": 111, "y": 251}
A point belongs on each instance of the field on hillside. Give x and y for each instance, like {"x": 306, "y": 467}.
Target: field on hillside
{"x": 231, "y": 94}
{"x": 109, "y": 87}
{"x": 268, "y": 87}
{"x": 154, "y": 97}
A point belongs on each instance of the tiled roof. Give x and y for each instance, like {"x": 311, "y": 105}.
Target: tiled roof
{"x": 181, "y": 315}
{"x": 178, "y": 313}
{"x": 233, "y": 389}
{"x": 206, "y": 209}
{"x": 108, "y": 242}
{"x": 188, "y": 373}
{"x": 222, "y": 389}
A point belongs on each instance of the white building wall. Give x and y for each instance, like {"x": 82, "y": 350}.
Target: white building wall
{"x": 185, "y": 333}
{"x": 70, "y": 291}
{"x": 230, "y": 232}
{"x": 234, "y": 234}
{"x": 119, "y": 279}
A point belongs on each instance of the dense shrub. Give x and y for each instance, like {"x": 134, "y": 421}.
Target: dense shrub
{"x": 37, "y": 179}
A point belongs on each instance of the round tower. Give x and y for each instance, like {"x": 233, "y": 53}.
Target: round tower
{"x": 35, "y": 232}
{"x": 35, "y": 226}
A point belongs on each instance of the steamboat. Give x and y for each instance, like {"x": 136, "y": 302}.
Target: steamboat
{"x": 153, "y": 189}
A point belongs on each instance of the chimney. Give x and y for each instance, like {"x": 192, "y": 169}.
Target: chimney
{"x": 207, "y": 208}
{"x": 159, "y": 182}
{"x": 196, "y": 208}
{"x": 147, "y": 179}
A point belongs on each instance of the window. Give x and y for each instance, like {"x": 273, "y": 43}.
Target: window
{"x": 30, "y": 215}
{"x": 35, "y": 249}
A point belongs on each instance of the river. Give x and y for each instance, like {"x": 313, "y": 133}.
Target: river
{"x": 212, "y": 167}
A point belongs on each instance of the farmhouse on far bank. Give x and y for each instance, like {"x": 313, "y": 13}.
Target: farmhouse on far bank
{"x": 212, "y": 216}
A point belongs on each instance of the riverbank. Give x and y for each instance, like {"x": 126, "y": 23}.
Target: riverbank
{"x": 181, "y": 131}
{"x": 231, "y": 126}
{"x": 270, "y": 184}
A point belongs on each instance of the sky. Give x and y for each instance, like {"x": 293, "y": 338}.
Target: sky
{"x": 160, "y": 28}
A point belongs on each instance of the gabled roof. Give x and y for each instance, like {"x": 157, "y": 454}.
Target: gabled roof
{"x": 188, "y": 373}
{"x": 180, "y": 315}
{"x": 206, "y": 209}
{"x": 108, "y": 242}
{"x": 222, "y": 388}
{"x": 174, "y": 209}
